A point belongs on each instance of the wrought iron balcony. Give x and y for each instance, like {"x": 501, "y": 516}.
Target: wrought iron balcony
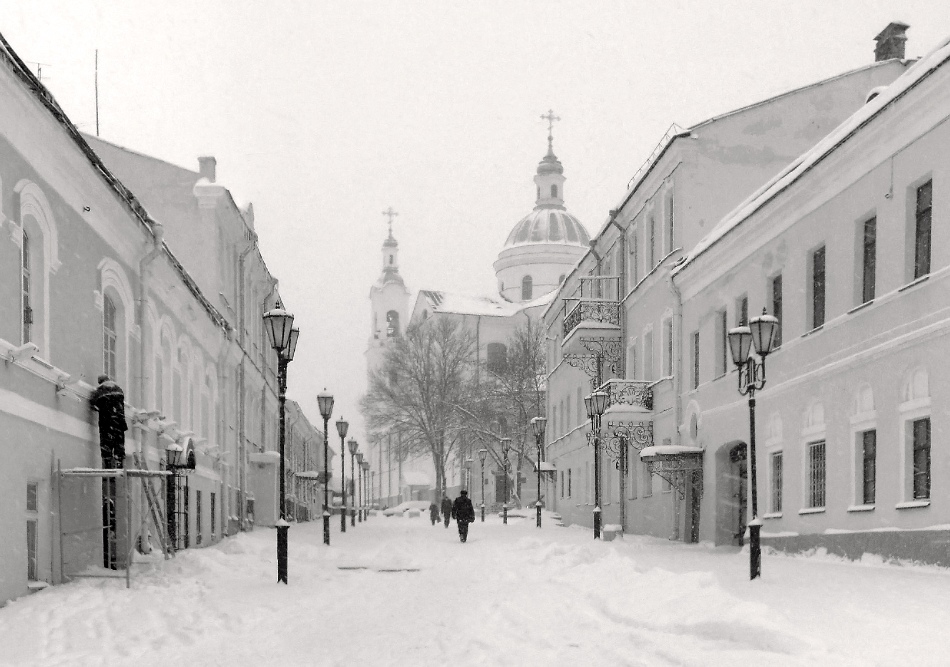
{"x": 598, "y": 311}
{"x": 628, "y": 396}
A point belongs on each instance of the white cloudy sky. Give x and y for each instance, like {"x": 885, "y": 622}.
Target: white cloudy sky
{"x": 325, "y": 113}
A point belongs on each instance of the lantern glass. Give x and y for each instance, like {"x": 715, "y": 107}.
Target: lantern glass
{"x": 173, "y": 454}
{"x": 292, "y": 346}
{"x": 506, "y": 445}
{"x": 341, "y": 427}
{"x": 483, "y": 454}
{"x": 359, "y": 458}
{"x": 278, "y": 323}
{"x": 325, "y": 401}
{"x": 600, "y": 401}
{"x": 763, "y": 330}
{"x": 539, "y": 423}
{"x": 589, "y": 404}
{"x": 740, "y": 341}
{"x": 354, "y": 446}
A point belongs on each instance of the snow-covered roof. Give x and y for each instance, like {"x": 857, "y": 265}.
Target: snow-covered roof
{"x": 669, "y": 450}
{"x": 785, "y": 178}
{"x": 412, "y": 478}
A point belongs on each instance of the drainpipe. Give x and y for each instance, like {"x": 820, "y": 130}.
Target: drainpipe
{"x": 158, "y": 236}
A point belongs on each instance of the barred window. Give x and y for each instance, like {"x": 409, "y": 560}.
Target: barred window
{"x": 775, "y": 464}
{"x": 921, "y": 430}
{"x": 868, "y": 466}
{"x": 922, "y": 232}
{"x": 816, "y": 474}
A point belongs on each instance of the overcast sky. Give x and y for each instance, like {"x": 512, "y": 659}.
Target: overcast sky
{"x": 323, "y": 114}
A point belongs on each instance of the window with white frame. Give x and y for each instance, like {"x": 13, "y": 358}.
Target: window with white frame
{"x": 922, "y": 218}
{"x": 648, "y": 354}
{"x": 775, "y": 482}
{"x": 915, "y": 433}
{"x": 815, "y": 453}
{"x": 668, "y": 347}
{"x": 569, "y": 484}
{"x": 634, "y": 257}
{"x": 670, "y": 241}
{"x": 868, "y": 477}
{"x": 920, "y": 433}
{"x": 32, "y": 531}
{"x": 868, "y": 259}
{"x": 722, "y": 342}
{"x": 694, "y": 358}
{"x": 775, "y": 289}
{"x": 816, "y": 285}
{"x": 109, "y": 338}
{"x": 864, "y": 443}
{"x": 25, "y": 291}
{"x": 742, "y": 310}
{"x": 651, "y": 242}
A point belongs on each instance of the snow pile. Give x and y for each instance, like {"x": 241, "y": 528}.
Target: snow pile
{"x": 408, "y": 593}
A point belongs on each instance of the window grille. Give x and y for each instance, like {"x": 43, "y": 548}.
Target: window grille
{"x": 921, "y": 458}
{"x": 868, "y": 466}
{"x": 818, "y": 288}
{"x": 695, "y": 359}
{"x": 108, "y": 338}
{"x": 922, "y": 232}
{"x": 776, "y": 465}
{"x": 869, "y": 260}
{"x": 25, "y": 284}
{"x": 816, "y": 474}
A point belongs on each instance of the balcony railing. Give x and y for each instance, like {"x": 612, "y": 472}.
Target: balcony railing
{"x": 635, "y": 394}
{"x": 604, "y": 312}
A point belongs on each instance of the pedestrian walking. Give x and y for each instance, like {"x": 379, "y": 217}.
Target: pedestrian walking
{"x": 463, "y": 513}
{"x": 446, "y": 509}
{"x": 433, "y": 512}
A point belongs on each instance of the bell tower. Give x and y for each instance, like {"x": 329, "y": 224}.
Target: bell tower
{"x": 389, "y": 301}
{"x": 550, "y": 176}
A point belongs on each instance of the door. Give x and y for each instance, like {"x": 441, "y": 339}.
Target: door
{"x": 739, "y": 474}
{"x": 694, "y": 487}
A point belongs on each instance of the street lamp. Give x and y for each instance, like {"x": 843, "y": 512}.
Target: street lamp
{"x": 539, "y": 423}
{"x": 174, "y": 462}
{"x": 760, "y": 334}
{"x": 283, "y": 338}
{"x": 341, "y": 427}
{"x": 325, "y": 401}
{"x": 359, "y": 485}
{"x": 364, "y": 508}
{"x": 596, "y": 404}
{"x": 505, "y": 446}
{"x": 483, "y": 454}
{"x": 354, "y": 447}
{"x": 467, "y": 466}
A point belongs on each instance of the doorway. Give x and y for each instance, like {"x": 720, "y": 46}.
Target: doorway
{"x": 737, "y": 481}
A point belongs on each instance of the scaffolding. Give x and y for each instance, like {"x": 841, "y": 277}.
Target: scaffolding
{"x": 137, "y": 518}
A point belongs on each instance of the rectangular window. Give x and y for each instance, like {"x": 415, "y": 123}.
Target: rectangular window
{"x": 562, "y": 483}
{"x": 742, "y": 310}
{"x": 648, "y": 355}
{"x": 668, "y": 347}
{"x": 868, "y": 260}
{"x": 651, "y": 243}
{"x": 32, "y": 532}
{"x": 198, "y": 517}
{"x": 868, "y": 466}
{"x": 818, "y": 287}
{"x": 816, "y": 474}
{"x": 775, "y": 465}
{"x": 777, "y": 307}
{"x": 922, "y": 232}
{"x": 921, "y": 458}
{"x": 722, "y": 343}
{"x": 670, "y": 244}
{"x": 695, "y": 355}
{"x": 25, "y": 282}
{"x": 108, "y": 338}
{"x": 569, "y": 483}
{"x": 214, "y": 522}
{"x": 634, "y": 258}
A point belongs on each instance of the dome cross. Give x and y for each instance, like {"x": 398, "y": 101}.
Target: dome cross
{"x": 390, "y": 213}
{"x": 551, "y": 118}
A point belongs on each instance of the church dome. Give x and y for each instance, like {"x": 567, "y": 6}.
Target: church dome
{"x": 548, "y": 225}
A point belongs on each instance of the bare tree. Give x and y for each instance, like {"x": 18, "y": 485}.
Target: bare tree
{"x": 425, "y": 374}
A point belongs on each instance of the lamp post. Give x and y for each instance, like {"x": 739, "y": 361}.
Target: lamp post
{"x": 341, "y": 428}
{"x": 483, "y": 454}
{"x": 173, "y": 463}
{"x": 505, "y": 447}
{"x": 325, "y": 401}
{"x": 359, "y": 485}
{"x": 283, "y": 338}
{"x": 365, "y": 510}
{"x": 596, "y": 404}
{"x": 467, "y": 480}
{"x": 760, "y": 334}
{"x": 539, "y": 423}
{"x": 354, "y": 447}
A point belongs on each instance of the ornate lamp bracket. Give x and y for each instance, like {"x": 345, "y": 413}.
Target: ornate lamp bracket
{"x": 604, "y": 358}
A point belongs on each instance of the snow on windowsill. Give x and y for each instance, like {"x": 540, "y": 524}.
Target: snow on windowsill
{"x": 861, "y": 508}
{"x": 772, "y": 515}
{"x": 910, "y": 504}
{"x": 812, "y": 510}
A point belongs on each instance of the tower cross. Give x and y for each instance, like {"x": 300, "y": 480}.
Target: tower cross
{"x": 390, "y": 213}
{"x": 551, "y": 118}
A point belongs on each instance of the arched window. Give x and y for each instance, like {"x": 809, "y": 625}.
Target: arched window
{"x": 554, "y": 191}
{"x": 527, "y": 287}
{"x": 27, "y": 310}
{"x": 109, "y": 338}
{"x": 497, "y": 358}
{"x": 392, "y": 324}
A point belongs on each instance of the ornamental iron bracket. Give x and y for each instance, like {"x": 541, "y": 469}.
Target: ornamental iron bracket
{"x": 605, "y": 355}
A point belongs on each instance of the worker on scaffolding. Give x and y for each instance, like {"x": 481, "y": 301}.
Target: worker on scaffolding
{"x": 109, "y": 401}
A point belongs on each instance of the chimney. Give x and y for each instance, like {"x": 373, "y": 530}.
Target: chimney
{"x": 207, "y": 165}
{"x": 890, "y": 42}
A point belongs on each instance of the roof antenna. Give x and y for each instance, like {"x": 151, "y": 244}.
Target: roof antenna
{"x": 97, "y": 92}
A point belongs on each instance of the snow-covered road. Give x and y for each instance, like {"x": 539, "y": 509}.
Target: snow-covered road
{"x": 512, "y": 595}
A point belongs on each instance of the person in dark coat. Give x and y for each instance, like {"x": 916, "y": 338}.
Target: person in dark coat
{"x": 433, "y": 512}
{"x": 463, "y": 513}
{"x": 446, "y": 509}
{"x": 109, "y": 401}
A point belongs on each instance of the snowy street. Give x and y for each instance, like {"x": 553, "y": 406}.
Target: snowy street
{"x": 512, "y": 595}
